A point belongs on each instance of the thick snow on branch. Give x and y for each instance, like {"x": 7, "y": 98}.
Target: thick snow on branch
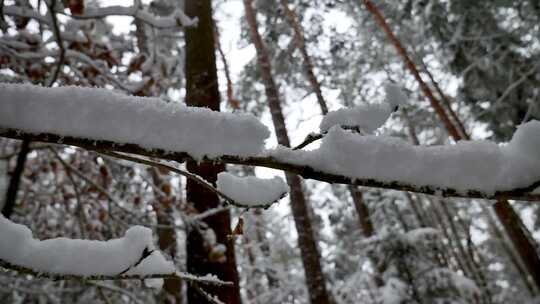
{"x": 101, "y": 120}
{"x": 131, "y": 257}
{"x": 176, "y": 19}
{"x": 252, "y": 191}
{"x": 368, "y": 117}
{"x": 466, "y": 166}
{"x": 133, "y": 254}
{"x": 100, "y": 114}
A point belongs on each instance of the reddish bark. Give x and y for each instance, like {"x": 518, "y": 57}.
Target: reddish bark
{"x": 512, "y": 224}
{"x": 308, "y": 247}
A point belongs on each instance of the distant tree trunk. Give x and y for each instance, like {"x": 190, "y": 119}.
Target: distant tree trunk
{"x": 310, "y": 255}
{"x": 202, "y": 91}
{"x": 362, "y": 211}
{"x": 511, "y": 221}
{"x": 300, "y": 42}
{"x": 357, "y": 196}
{"x": 253, "y": 273}
{"x": 273, "y": 282}
{"x": 15, "y": 180}
{"x": 166, "y": 235}
{"x": 514, "y": 227}
{"x": 511, "y": 252}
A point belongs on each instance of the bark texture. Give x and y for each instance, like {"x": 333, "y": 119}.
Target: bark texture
{"x": 513, "y": 226}
{"x": 15, "y": 180}
{"x": 202, "y": 91}
{"x": 357, "y": 196}
{"x": 308, "y": 247}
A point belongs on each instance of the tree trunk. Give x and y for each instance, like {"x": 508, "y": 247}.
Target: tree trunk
{"x": 166, "y": 235}
{"x": 300, "y": 42}
{"x": 202, "y": 91}
{"x": 309, "y": 252}
{"x": 362, "y": 211}
{"x": 510, "y": 251}
{"x": 15, "y": 180}
{"x": 273, "y": 282}
{"x": 164, "y": 200}
{"x": 512, "y": 224}
{"x": 357, "y": 196}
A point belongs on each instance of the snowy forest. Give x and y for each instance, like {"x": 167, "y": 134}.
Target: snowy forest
{"x": 270, "y": 151}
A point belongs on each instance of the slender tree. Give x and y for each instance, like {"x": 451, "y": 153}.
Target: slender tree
{"x": 308, "y": 247}
{"x": 357, "y": 196}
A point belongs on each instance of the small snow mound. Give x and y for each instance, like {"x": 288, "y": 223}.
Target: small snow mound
{"x": 366, "y": 118}
{"x": 80, "y": 257}
{"x": 154, "y": 283}
{"x": 252, "y": 191}
{"x": 526, "y": 140}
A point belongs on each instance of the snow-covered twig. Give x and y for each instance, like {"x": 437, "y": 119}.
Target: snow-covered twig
{"x": 59, "y": 42}
{"x": 57, "y": 277}
{"x": 131, "y": 257}
{"x": 201, "y": 181}
{"x": 112, "y": 198}
{"x": 207, "y": 296}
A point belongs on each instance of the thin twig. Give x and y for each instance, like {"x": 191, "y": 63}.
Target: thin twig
{"x": 3, "y": 23}
{"x": 207, "y": 296}
{"x": 99, "y": 277}
{"x": 312, "y": 137}
{"x": 189, "y": 175}
{"x": 123, "y": 291}
{"x": 104, "y": 191}
{"x": 62, "y": 52}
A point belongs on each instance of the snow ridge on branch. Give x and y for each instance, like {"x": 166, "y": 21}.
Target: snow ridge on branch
{"x": 130, "y": 257}
{"x": 99, "y": 120}
{"x": 150, "y": 122}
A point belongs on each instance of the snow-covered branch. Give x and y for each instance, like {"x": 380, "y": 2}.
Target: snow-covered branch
{"x": 235, "y": 193}
{"x": 176, "y": 19}
{"x": 129, "y": 258}
{"x": 103, "y": 121}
